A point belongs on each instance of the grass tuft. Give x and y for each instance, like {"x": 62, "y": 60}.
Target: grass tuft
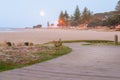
{"x": 91, "y": 42}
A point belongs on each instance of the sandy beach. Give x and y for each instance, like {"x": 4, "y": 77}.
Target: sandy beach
{"x": 45, "y": 35}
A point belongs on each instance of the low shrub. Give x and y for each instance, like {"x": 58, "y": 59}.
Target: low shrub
{"x": 57, "y": 43}
{"x": 26, "y": 43}
{"x": 8, "y": 43}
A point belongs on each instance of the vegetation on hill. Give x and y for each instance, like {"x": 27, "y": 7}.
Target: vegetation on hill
{"x": 109, "y": 19}
{"x": 76, "y": 19}
{"x": 117, "y": 8}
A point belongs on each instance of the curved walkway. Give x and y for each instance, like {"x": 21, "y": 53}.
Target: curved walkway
{"x": 83, "y": 63}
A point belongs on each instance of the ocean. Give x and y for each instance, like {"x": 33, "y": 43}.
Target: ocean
{"x": 5, "y": 29}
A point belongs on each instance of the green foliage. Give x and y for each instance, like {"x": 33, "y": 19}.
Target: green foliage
{"x": 76, "y": 19}
{"x": 77, "y": 16}
{"x": 6, "y": 65}
{"x": 66, "y": 16}
{"x": 72, "y": 21}
{"x": 86, "y": 16}
{"x": 111, "y": 21}
{"x": 95, "y": 22}
{"x": 58, "y": 43}
{"x": 89, "y": 41}
{"x": 93, "y": 42}
{"x": 118, "y": 6}
{"x": 114, "y": 20}
{"x": 63, "y": 19}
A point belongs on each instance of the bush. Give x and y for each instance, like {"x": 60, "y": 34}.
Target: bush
{"x": 113, "y": 20}
{"x": 95, "y": 23}
{"x": 9, "y": 43}
{"x": 58, "y": 43}
{"x": 31, "y": 44}
{"x": 26, "y": 43}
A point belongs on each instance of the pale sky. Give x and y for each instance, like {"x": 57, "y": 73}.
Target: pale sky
{"x": 27, "y": 13}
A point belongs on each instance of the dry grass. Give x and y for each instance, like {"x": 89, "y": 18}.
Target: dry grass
{"x": 18, "y": 56}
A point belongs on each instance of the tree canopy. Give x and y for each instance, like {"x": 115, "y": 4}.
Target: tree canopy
{"x": 86, "y": 15}
{"x": 118, "y": 6}
{"x": 76, "y": 19}
{"x": 63, "y": 19}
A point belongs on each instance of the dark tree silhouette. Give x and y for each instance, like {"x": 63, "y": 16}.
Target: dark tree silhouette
{"x": 86, "y": 16}
{"x": 77, "y": 16}
{"x": 118, "y": 6}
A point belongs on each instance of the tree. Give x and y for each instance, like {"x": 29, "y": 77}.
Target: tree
{"x": 76, "y": 17}
{"x": 66, "y": 17}
{"x": 118, "y": 6}
{"x": 61, "y": 20}
{"x": 113, "y": 20}
{"x": 72, "y": 21}
{"x": 95, "y": 22}
{"x": 86, "y": 16}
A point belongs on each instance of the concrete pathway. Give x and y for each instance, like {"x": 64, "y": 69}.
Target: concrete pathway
{"x": 83, "y": 63}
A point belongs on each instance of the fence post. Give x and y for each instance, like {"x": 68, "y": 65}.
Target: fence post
{"x": 116, "y": 39}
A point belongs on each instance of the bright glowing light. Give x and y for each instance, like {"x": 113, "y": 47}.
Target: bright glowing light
{"x": 42, "y": 13}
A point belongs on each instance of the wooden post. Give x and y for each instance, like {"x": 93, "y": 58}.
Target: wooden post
{"x": 116, "y": 40}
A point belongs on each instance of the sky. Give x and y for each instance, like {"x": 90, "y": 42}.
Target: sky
{"x": 27, "y": 13}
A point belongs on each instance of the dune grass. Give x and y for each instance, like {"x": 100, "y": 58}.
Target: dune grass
{"x": 90, "y": 42}
{"x": 43, "y": 56}
{"x": 94, "y": 42}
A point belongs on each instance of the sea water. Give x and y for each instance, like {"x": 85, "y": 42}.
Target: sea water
{"x": 5, "y": 29}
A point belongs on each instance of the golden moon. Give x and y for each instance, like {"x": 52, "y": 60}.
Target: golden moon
{"x": 42, "y": 13}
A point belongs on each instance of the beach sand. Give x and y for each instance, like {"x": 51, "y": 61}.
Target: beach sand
{"x": 45, "y": 35}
